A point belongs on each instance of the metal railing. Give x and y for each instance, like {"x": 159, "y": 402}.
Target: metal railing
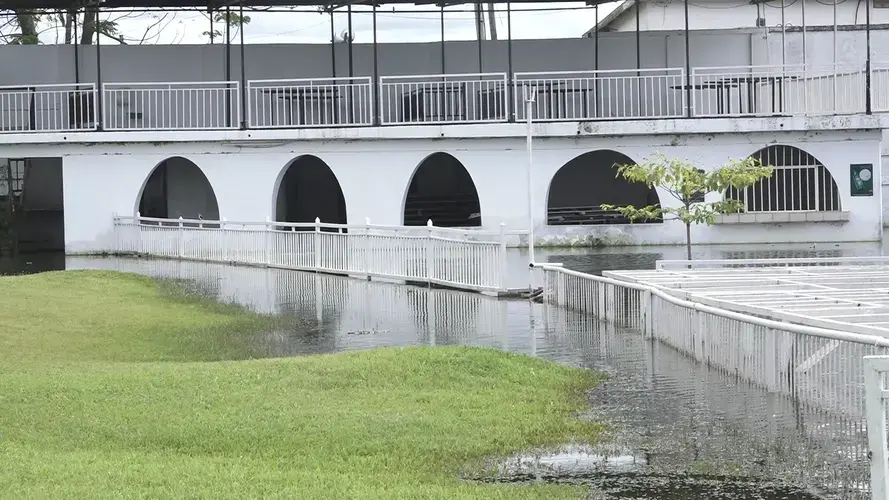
{"x": 310, "y": 102}
{"x": 603, "y": 94}
{"x": 797, "y": 188}
{"x": 876, "y": 377}
{"x": 782, "y": 262}
{"x": 48, "y": 108}
{"x": 821, "y": 369}
{"x": 172, "y": 106}
{"x": 777, "y": 90}
{"x": 650, "y": 93}
{"x": 441, "y": 99}
{"x": 464, "y": 259}
{"x": 590, "y": 216}
{"x": 879, "y": 87}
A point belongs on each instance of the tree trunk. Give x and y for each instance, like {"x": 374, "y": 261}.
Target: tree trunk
{"x": 69, "y": 21}
{"x": 492, "y": 20}
{"x": 688, "y": 240}
{"x": 89, "y": 26}
{"x": 27, "y": 22}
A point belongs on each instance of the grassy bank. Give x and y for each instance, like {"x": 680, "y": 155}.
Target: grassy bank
{"x": 101, "y": 396}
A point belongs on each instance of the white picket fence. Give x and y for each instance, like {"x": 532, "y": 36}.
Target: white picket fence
{"x": 466, "y": 259}
{"x": 821, "y": 369}
{"x": 876, "y": 376}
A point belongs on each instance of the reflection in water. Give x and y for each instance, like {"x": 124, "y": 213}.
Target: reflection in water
{"x": 29, "y": 263}
{"x": 670, "y": 415}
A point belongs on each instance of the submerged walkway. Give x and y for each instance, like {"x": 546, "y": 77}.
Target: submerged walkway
{"x": 847, "y": 294}
{"x": 814, "y": 331}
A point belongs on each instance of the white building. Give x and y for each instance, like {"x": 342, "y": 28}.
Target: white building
{"x": 296, "y": 138}
{"x": 733, "y": 14}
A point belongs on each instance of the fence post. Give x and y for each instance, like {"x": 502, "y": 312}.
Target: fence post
{"x": 366, "y": 254}
{"x": 601, "y": 311}
{"x": 698, "y": 336}
{"x": 114, "y": 242}
{"x": 138, "y": 233}
{"x": 181, "y": 239}
{"x": 770, "y": 350}
{"x": 224, "y": 238}
{"x": 430, "y": 252}
{"x": 648, "y": 327}
{"x": 876, "y": 428}
{"x": 267, "y": 236}
{"x": 502, "y": 272}
{"x": 317, "y": 262}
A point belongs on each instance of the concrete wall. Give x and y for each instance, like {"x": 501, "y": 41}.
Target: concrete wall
{"x": 728, "y": 14}
{"x": 374, "y": 176}
{"x": 185, "y": 63}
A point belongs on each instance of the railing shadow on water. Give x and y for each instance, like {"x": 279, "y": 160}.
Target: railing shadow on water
{"x": 333, "y": 313}
{"x": 818, "y": 378}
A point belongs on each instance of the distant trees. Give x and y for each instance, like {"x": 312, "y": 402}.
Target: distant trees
{"x": 83, "y": 26}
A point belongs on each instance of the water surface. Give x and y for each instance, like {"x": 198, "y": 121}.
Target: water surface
{"x": 687, "y": 431}
{"x": 679, "y": 429}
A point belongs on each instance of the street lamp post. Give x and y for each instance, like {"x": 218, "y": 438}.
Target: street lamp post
{"x": 530, "y": 95}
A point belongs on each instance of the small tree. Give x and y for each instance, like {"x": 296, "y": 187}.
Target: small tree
{"x": 688, "y": 185}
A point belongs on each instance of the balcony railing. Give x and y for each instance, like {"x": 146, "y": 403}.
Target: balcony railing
{"x": 172, "y": 106}
{"x": 48, "y": 108}
{"x": 777, "y": 90}
{"x": 310, "y": 102}
{"x": 603, "y": 95}
{"x": 879, "y": 87}
{"x": 466, "y": 98}
{"x": 740, "y": 91}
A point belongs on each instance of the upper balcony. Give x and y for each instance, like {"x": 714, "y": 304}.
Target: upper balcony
{"x": 135, "y": 93}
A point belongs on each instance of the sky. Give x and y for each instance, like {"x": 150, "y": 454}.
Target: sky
{"x": 407, "y": 24}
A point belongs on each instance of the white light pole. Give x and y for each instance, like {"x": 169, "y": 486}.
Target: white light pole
{"x": 530, "y": 95}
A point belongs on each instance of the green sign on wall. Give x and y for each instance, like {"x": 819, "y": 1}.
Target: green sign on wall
{"x": 862, "y": 179}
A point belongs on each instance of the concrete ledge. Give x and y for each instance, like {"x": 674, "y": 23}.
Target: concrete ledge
{"x": 783, "y": 217}
{"x": 654, "y": 126}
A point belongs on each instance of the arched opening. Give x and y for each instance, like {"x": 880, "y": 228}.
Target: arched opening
{"x": 178, "y": 188}
{"x": 799, "y": 183}
{"x": 584, "y": 184}
{"x": 442, "y": 190}
{"x": 309, "y": 190}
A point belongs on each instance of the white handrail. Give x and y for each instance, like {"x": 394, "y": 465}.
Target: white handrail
{"x": 691, "y": 264}
{"x": 467, "y": 260}
{"x": 520, "y": 76}
{"x": 766, "y": 323}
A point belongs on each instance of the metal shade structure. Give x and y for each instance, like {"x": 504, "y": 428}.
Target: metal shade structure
{"x": 216, "y": 5}
{"x": 302, "y": 6}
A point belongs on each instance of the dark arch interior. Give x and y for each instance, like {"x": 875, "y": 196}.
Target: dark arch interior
{"x": 443, "y": 191}
{"x": 309, "y": 190}
{"x": 799, "y": 182}
{"x": 582, "y": 185}
{"x": 177, "y": 188}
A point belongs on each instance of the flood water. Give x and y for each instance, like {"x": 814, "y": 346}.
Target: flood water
{"x": 679, "y": 430}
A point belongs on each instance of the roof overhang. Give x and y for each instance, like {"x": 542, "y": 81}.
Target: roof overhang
{"x": 217, "y": 4}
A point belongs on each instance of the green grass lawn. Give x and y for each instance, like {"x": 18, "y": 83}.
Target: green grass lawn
{"x": 113, "y": 386}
